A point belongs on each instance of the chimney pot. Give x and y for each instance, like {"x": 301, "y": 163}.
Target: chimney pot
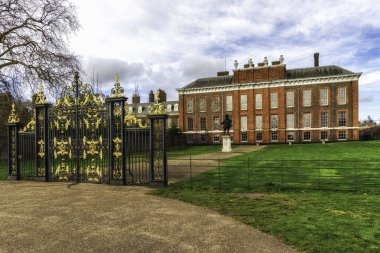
{"x": 316, "y": 59}
{"x": 222, "y": 73}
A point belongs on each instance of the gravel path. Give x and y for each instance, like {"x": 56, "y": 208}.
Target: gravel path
{"x": 179, "y": 168}
{"x": 59, "y": 217}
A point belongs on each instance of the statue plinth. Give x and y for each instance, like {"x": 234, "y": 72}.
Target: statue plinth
{"x": 226, "y": 143}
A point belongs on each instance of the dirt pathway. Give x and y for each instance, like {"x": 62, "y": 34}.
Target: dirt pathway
{"x": 184, "y": 167}
{"x": 57, "y": 217}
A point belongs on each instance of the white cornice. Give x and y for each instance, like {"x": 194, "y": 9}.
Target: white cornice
{"x": 273, "y": 84}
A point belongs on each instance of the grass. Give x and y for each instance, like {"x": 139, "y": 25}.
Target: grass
{"x": 310, "y": 220}
{"x": 3, "y": 170}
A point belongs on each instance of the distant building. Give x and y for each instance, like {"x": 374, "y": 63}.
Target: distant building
{"x": 270, "y": 104}
{"x": 140, "y": 110}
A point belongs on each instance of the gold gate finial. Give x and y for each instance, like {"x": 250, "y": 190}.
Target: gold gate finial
{"x": 157, "y": 107}
{"x": 117, "y": 91}
{"x": 13, "y": 117}
{"x": 40, "y": 96}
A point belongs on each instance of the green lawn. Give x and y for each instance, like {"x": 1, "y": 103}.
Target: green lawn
{"x": 310, "y": 220}
{"x": 3, "y": 170}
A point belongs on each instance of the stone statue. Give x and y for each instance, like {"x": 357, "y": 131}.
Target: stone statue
{"x": 227, "y": 123}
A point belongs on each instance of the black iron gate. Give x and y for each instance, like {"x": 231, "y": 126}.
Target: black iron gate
{"x": 87, "y": 138}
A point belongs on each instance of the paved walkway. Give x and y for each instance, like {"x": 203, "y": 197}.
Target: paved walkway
{"x": 58, "y": 217}
{"x": 182, "y": 167}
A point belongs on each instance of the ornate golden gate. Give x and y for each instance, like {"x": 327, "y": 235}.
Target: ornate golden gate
{"x": 87, "y": 138}
{"x": 78, "y": 127}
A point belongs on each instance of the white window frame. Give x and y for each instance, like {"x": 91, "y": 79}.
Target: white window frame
{"x": 339, "y": 135}
{"x": 215, "y": 103}
{"x": 203, "y": 128}
{"x": 272, "y": 134}
{"x": 307, "y": 120}
{"x": 261, "y": 137}
{"x": 306, "y": 98}
{"x": 290, "y": 121}
{"x": 216, "y": 138}
{"x": 290, "y": 99}
{"x": 259, "y": 122}
{"x": 175, "y": 107}
{"x": 259, "y": 101}
{"x": 273, "y": 100}
{"x": 322, "y": 120}
{"x": 327, "y": 135}
{"x": 139, "y": 109}
{"x": 168, "y": 107}
{"x": 245, "y": 139}
{"x": 215, "y": 122}
{"x": 291, "y": 135}
{"x": 192, "y": 124}
{"x": 324, "y": 96}
{"x": 342, "y": 96}
{"x": 190, "y": 105}
{"x": 243, "y": 102}
{"x": 274, "y": 118}
{"x": 340, "y": 119}
{"x": 244, "y": 123}
{"x": 229, "y": 105}
{"x": 309, "y": 136}
{"x": 202, "y": 104}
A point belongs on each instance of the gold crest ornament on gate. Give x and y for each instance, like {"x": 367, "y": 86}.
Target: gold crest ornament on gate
{"x": 40, "y": 96}
{"x": 13, "y": 117}
{"x": 157, "y": 108}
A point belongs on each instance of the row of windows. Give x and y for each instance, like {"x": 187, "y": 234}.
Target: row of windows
{"x": 342, "y": 121}
{"x": 290, "y": 136}
{"x": 169, "y": 108}
{"x": 324, "y": 101}
{"x": 274, "y": 136}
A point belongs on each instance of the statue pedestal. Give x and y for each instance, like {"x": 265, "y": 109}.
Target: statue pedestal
{"x": 226, "y": 143}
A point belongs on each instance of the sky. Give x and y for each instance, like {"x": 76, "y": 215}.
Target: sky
{"x": 169, "y": 43}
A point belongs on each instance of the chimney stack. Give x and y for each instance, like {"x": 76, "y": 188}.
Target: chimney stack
{"x": 316, "y": 59}
{"x": 136, "y": 99}
{"x": 151, "y": 97}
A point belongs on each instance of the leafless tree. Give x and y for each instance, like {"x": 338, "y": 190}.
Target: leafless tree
{"x": 33, "y": 44}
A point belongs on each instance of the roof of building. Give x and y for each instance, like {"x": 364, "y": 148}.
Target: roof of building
{"x": 209, "y": 81}
{"x": 317, "y": 72}
{"x": 290, "y": 74}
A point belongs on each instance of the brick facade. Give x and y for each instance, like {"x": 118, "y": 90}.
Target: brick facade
{"x": 273, "y": 79}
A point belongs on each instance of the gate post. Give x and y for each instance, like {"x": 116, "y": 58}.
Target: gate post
{"x": 117, "y": 157}
{"x": 158, "y": 159}
{"x": 13, "y": 145}
{"x": 41, "y": 107}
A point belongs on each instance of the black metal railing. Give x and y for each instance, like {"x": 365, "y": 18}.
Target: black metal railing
{"x": 137, "y": 155}
{"x": 27, "y": 156}
{"x": 241, "y": 175}
{"x": 3, "y": 157}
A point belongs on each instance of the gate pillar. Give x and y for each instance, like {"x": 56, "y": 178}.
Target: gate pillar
{"x": 41, "y": 108}
{"x": 158, "y": 159}
{"x": 13, "y": 145}
{"x": 117, "y": 157}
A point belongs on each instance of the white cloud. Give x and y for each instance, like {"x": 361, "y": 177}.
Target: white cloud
{"x": 167, "y": 43}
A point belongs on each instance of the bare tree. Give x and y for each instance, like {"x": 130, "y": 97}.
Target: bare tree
{"x": 33, "y": 43}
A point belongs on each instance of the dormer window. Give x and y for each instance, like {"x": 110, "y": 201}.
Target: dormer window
{"x": 139, "y": 110}
{"x": 168, "y": 107}
{"x": 175, "y": 107}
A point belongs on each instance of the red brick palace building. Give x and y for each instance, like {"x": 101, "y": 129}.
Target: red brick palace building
{"x": 270, "y": 103}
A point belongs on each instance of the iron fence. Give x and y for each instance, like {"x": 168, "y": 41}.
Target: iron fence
{"x": 240, "y": 175}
